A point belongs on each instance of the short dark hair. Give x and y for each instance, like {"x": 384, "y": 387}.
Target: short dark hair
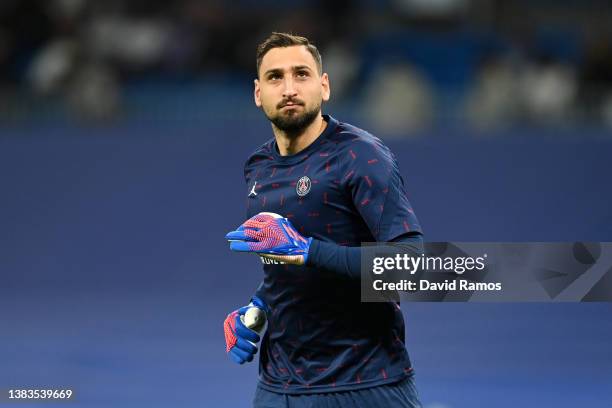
{"x": 281, "y": 40}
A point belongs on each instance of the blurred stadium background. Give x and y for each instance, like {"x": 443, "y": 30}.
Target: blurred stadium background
{"x": 124, "y": 126}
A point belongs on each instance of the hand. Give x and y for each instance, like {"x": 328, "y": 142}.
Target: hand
{"x": 271, "y": 236}
{"x": 240, "y": 340}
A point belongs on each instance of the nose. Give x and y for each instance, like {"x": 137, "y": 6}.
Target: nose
{"x": 289, "y": 91}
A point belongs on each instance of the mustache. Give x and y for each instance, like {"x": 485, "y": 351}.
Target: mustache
{"x": 293, "y": 101}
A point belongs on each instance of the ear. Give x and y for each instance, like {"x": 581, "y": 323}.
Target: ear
{"x": 325, "y": 89}
{"x": 257, "y": 93}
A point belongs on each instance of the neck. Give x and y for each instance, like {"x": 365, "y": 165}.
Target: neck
{"x": 290, "y": 144}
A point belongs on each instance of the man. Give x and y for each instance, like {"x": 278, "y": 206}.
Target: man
{"x": 335, "y": 186}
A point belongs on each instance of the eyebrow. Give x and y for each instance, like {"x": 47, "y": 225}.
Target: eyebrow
{"x": 294, "y": 68}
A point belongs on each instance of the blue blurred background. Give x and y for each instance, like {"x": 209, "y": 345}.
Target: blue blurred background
{"x": 124, "y": 126}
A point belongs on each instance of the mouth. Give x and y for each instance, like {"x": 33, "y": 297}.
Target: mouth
{"x": 290, "y": 105}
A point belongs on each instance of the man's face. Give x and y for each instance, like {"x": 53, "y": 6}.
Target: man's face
{"x": 289, "y": 89}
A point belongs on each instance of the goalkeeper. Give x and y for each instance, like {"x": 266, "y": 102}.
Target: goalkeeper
{"x": 334, "y": 186}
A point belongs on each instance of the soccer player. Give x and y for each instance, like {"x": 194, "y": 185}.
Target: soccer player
{"x": 335, "y": 186}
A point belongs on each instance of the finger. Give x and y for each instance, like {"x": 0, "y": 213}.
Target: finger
{"x": 235, "y": 357}
{"x": 242, "y": 233}
{"x": 240, "y": 356}
{"x": 254, "y": 234}
{"x": 243, "y": 310}
{"x": 244, "y": 345}
{"x": 240, "y": 246}
{"x": 254, "y": 223}
{"x": 237, "y": 235}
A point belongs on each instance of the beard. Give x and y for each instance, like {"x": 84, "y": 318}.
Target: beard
{"x": 293, "y": 123}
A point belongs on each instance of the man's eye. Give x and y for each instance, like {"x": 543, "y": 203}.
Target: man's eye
{"x": 302, "y": 74}
{"x": 274, "y": 77}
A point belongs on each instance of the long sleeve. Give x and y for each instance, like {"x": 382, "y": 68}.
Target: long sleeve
{"x": 347, "y": 260}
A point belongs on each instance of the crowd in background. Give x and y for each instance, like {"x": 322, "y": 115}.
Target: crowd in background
{"x": 405, "y": 64}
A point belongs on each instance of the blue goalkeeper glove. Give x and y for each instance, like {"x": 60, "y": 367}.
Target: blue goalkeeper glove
{"x": 240, "y": 340}
{"x": 271, "y": 236}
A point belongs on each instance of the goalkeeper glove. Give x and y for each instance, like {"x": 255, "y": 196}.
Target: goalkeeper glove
{"x": 271, "y": 236}
{"x": 239, "y": 339}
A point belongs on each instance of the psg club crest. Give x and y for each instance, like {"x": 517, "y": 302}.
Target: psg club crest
{"x": 303, "y": 186}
